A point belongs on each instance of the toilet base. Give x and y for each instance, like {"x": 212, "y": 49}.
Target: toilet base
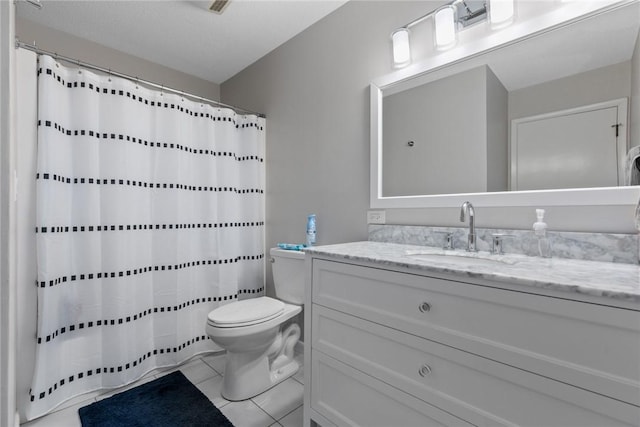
{"x": 258, "y": 356}
{"x": 249, "y": 376}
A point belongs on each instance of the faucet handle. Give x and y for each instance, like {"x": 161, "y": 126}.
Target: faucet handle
{"x": 496, "y": 247}
{"x": 448, "y": 239}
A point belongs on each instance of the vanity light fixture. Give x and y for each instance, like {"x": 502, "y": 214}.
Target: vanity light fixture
{"x": 501, "y": 13}
{"x": 444, "y": 27}
{"x": 451, "y": 18}
{"x": 401, "y": 49}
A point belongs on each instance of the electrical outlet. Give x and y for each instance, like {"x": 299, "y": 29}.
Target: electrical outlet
{"x": 376, "y": 217}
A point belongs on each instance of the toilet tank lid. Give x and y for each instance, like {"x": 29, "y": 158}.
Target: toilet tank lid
{"x": 246, "y": 311}
{"x": 285, "y": 253}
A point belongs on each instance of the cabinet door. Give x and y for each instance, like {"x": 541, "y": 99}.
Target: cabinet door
{"x": 481, "y": 391}
{"x": 347, "y": 397}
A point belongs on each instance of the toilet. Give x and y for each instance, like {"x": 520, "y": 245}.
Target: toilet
{"x": 259, "y": 354}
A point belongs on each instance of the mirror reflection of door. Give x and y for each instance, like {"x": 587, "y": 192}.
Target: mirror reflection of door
{"x": 577, "y": 148}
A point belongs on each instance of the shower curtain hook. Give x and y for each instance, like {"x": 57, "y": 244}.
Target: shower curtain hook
{"x": 109, "y": 79}
{"x": 162, "y": 90}
{"x": 137, "y": 82}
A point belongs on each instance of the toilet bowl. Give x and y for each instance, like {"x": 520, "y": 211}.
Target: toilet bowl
{"x": 259, "y": 354}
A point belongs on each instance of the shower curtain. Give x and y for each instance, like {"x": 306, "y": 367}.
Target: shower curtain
{"x": 150, "y": 213}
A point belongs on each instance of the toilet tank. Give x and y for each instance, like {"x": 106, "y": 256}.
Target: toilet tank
{"x": 288, "y": 275}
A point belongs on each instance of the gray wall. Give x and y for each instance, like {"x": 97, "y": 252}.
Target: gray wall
{"x": 459, "y": 128}
{"x": 497, "y": 104}
{"x": 635, "y": 96}
{"x": 8, "y": 309}
{"x": 447, "y": 121}
{"x": 74, "y": 47}
{"x": 314, "y": 90}
{"x": 591, "y": 87}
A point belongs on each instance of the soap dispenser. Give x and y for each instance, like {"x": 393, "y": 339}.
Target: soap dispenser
{"x": 540, "y": 230}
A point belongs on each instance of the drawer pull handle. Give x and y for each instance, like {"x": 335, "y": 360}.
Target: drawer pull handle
{"x": 424, "y": 307}
{"x": 424, "y": 370}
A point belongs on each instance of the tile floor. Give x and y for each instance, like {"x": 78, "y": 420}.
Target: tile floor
{"x": 280, "y": 406}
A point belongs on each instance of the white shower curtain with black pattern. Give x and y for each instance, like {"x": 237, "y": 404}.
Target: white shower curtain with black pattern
{"x": 150, "y": 213}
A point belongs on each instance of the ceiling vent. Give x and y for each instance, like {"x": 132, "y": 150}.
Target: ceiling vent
{"x": 218, "y": 6}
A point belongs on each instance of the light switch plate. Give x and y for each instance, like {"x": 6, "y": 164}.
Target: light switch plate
{"x": 376, "y": 217}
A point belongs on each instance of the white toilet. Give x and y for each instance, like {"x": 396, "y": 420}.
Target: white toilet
{"x": 259, "y": 354}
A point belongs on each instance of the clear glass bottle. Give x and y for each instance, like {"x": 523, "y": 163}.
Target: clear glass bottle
{"x": 540, "y": 230}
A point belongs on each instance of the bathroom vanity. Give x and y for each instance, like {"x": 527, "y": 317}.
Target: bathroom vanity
{"x": 404, "y": 335}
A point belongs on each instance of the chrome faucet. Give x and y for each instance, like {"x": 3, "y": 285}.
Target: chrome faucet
{"x": 467, "y": 208}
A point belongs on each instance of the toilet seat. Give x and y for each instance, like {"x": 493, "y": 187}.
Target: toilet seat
{"x": 216, "y": 331}
{"x": 246, "y": 313}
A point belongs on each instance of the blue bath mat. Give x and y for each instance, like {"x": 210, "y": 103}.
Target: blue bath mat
{"x": 169, "y": 401}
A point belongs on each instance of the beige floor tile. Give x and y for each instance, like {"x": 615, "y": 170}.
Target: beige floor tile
{"x": 216, "y": 361}
{"x": 246, "y": 414}
{"x": 293, "y": 419}
{"x": 197, "y": 371}
{"x": 299, "y": 376}
{"x": 211, "y": 388}
{"x": 67, "y": 417}
{"x": 281, "y": 399}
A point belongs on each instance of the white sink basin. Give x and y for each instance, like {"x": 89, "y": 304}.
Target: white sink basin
{"x": 458, "y": 257}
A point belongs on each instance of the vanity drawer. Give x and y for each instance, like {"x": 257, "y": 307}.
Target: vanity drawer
{"x": 546, "y": 335}
{"x": 346, "y": 396}
{"x": 479, "y": 390}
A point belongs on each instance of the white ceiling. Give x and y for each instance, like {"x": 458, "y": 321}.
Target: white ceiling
{"x": 185, "y": 35}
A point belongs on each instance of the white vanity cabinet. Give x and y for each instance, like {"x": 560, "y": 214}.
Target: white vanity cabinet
{"x": 390, "y": 346}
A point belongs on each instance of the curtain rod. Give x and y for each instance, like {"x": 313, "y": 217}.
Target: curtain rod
{"x": 37, "y": 50}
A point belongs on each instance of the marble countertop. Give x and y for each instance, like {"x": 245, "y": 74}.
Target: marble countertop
{"x": 600, "y": 279}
